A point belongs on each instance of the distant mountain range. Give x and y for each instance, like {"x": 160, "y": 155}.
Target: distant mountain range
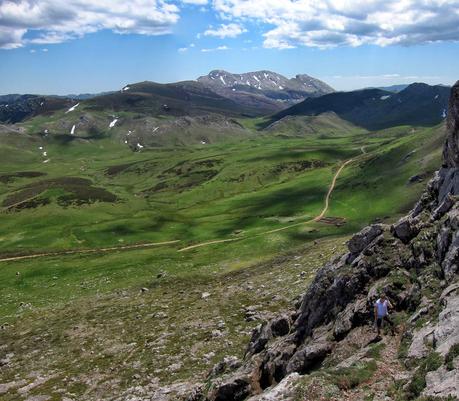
{"x": 252, "y": 94}
{"x": 417, "y": 104}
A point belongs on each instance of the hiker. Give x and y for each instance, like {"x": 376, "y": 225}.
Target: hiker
{"x": 381, "y": 310}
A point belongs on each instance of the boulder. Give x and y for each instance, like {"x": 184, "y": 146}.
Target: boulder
{"x": 308, "y": 356}
{"x": 364, "y": 238}
{"x": 405, "y": 229}
{"x": 280, "y": 326}
{"x": 354, "y": 313}
{"x": 234, "y": 389}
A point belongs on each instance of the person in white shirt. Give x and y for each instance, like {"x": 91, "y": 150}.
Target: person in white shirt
{"x": 381, "y": 310}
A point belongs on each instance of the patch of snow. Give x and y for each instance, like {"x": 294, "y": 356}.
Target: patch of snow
{"x": 255, "y": 77}
{"x": 248, "y": 83}
{"x": 129, "y": 133}
{"x": 72, "y": 131}
{"x": 42, "y": 103}
{"x": 223, "y": 80}
{"x": 72, "y": 108}
{"x": 140, "y": 146}
{"x": 233, "y": 89}
{"x": 46, "y": 131}
{"x": 436, "y": 97}
{"x": 155, "y": 129}
{"x": 281, "y": 87}
{"x": 385, "y": 97}
{"x": 266, "y": 75}
{"x": 46, "y": 161}
{"x": 45, "y": 154}
{"x": 203, "y": 142}
{"x": 126, "y": 142}
{"x": 399, "y": 100}
{"x": 40, "y": 147}
{"x": 444, "y": 113}
{"x": 126, "y": 88}
{"x": 112, "y": 124}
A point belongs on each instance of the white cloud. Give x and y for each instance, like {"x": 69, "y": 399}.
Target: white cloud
{"x": 182, "y": 49}
{"x": 56, "y": 21}
{"x": 214, "y": 49}
{"x": 332, "y": 23}
{"x": 226, "y": 31}
{"x": 195, "y": 2}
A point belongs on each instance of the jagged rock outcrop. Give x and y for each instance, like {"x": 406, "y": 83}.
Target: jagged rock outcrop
{"x": 414, "y": 262}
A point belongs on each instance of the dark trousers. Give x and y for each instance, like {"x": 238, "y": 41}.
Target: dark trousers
{"x": 381, "y": 319}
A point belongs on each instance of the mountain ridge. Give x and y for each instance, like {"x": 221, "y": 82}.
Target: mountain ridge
{"x": 417, "y": 104}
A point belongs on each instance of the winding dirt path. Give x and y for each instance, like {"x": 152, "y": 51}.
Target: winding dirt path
{"x": 85, "y": 251}
{"x": 317, "y": 218}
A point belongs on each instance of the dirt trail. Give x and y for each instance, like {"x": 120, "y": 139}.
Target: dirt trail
{"x": 218, "y": 241}
{"x": 85, "y": 251}
{"x": 389, "y": 369}
{"x": 327, "y": 199}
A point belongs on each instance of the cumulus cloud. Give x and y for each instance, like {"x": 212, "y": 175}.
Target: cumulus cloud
{"x": 56, "y": 21}
{"x": 226, "y": 31}
{"x": 332, "y": 23}
{"x": 214, "y": 49}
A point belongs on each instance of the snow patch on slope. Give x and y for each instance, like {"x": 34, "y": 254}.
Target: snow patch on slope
{"x": 72, "y": 108}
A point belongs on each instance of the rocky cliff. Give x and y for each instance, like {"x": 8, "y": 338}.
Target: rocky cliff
{"x": 326, "y": 347}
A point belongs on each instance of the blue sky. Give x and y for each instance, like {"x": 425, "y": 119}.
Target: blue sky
{"x": 69, "y": 47}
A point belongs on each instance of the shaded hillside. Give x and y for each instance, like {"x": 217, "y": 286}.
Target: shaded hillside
{"x": 16, "y": 108}
{"x": 175, "y": 99}
{"x": 418, "y": 104}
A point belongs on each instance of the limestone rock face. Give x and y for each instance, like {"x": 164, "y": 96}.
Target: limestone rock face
{"x": 442, "y": 383}
{"x": 451, "y": 149}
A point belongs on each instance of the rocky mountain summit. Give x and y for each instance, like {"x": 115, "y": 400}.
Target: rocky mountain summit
{"x": 268, "y": 89}
{"x": 325, "y": 347}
